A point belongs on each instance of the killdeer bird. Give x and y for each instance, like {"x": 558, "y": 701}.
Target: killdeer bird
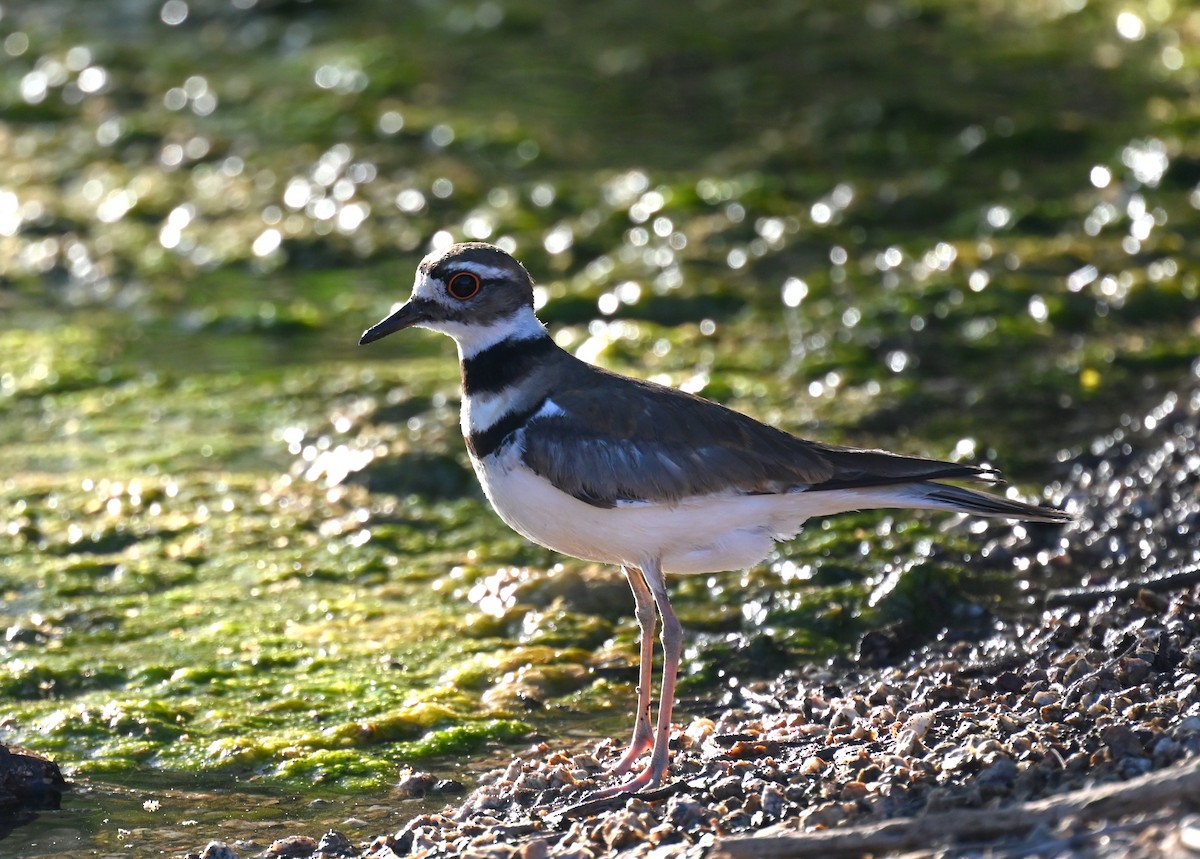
{"x": 620, "y": 471}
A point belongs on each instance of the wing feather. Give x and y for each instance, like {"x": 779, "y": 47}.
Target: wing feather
{"x": 617, "y": 440}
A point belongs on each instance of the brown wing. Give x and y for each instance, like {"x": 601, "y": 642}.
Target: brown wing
{"x": 614, "y": 439}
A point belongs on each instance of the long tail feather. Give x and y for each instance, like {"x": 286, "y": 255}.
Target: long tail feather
{"x": 939, "y": 496}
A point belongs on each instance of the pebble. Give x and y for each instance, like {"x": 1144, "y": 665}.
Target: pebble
{"x": 218, "y": 850}
{"x": 292, "y": 847}
{"x": 334, "y": 843}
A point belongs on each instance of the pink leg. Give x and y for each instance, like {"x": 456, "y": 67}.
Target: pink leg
{"x": 672, "y": 641}
{"x": 644, "y": 611}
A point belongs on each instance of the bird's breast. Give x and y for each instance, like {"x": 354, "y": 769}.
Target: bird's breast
{"x": 696, "y": 535}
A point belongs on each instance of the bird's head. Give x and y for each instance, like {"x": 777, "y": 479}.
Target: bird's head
{"x": 475, "y": 292}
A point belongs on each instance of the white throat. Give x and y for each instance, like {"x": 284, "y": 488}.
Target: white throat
{"x": 473, "y": 339}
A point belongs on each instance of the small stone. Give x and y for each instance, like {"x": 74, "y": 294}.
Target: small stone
{"x": 812, "y": 765}
{"x": 384, "y": 852}
{"x": 997, "y": 775}
{"x": 1133, "y": 670}
{"x": 531, "y": 781}
{"x": 662, "y": 834}
{"x": 773, "y": 800}
{"x": 696, "y": 733}
{"x": 1189, "y": 833}
{"x": 1051, "y": 713}
{"x": 218, "y": 850}
{"x": 538, "y": 848}
{"x": 586, "y": 761}
{"x": 1190, "y": 725}
{"x": 825, "y": 815}
{"x": 415, "y": 784}
{"x": 292, "y": 846}
{"x": 1122, "y": 741}
{"x": 335, "y": 843}
{"x": 575, "y": 853}
{"x": 853, "y": 791}
{"x": 1007, "y": 723}
{"x": 1045, "y": 698}
{"x": 726, "y": 788}
{"x": 1165, "y": 750}
{"x": 1078, "y": 669}
{"x": 1009, "y": 682}
{"x": 561, "y": 776}
{"x": 621, "y": 830}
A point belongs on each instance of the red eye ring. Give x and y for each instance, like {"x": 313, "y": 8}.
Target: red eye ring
{"x": 463, "y": 285}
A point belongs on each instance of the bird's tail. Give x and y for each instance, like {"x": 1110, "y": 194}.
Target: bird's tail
{"x": 939, "y": 496}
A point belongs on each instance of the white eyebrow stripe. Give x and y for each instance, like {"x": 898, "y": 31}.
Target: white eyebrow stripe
{"x": 485, "y": 272}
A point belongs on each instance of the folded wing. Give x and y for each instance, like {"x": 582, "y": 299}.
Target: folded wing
{"x": 621, "y": 441}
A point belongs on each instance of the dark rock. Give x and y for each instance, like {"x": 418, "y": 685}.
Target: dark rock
{"x": 448, "y": 786}
{"x": 416, "y": 784}
{"x": 218, "y": 850}
{"x": 28, "y": 781}
{"x": 334, "y": 843}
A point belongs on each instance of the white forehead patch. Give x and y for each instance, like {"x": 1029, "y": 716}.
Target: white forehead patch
{"x": 423, "y": 287}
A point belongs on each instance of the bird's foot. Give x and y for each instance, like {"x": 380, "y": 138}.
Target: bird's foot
{"x": 630, "y": 756}
{"x": 616, "y": 796}
{"x": 644, "y": 780}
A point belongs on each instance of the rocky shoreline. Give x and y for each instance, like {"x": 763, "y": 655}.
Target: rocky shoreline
{"x": 1077, "y": 733}
{"x": 1090, "y": 698}
{"x": 1073, "y": 729}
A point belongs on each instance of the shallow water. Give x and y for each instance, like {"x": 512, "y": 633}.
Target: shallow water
{"x": 236, "y": 548}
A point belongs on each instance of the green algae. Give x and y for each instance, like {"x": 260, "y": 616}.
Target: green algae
{"x": 233, "y": 544}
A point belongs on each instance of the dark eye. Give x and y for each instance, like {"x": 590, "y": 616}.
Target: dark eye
{"x": 463, "y": 285}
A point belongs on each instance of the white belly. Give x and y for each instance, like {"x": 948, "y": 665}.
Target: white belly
{"x": 704, "y": 534}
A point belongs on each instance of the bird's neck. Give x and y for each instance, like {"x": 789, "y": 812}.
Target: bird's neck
{"x": 503, "y": 354}
{"x": 506, "y": 375}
